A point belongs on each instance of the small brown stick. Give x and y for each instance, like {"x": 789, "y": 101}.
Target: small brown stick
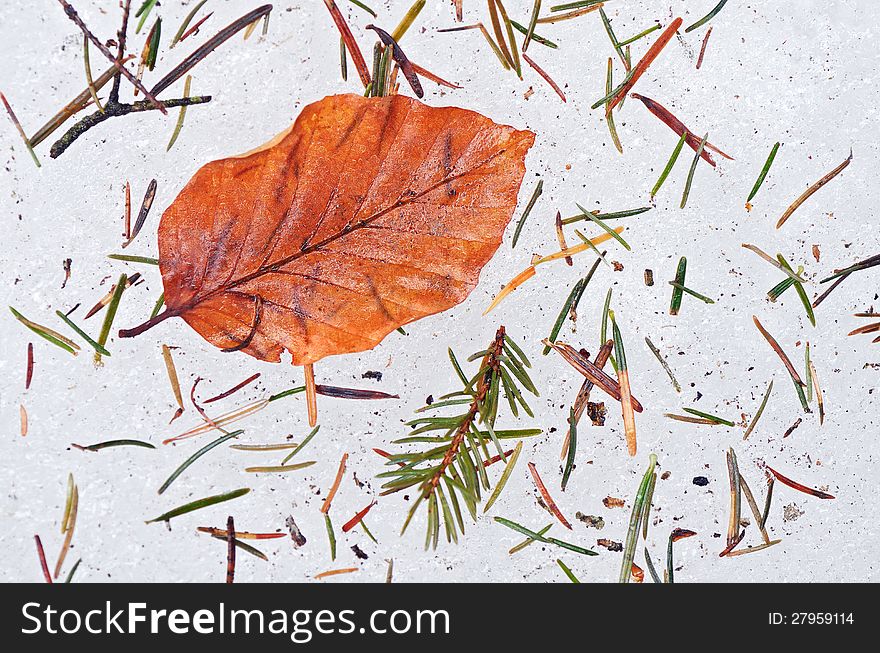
{"x": 548, "y": 500}
{"x": 547, "y": 79}
{"x": 71, "y": 13}
{"x": 643, "y": 64}
{"x": 354, "y": 521}
{"x": 325, "y": 507}
{"x": 792, "y": 428}
{"x": 350, "y": 43}
{"x": 560, "y": 236}
{"x": 233, "y": 389}
{"x": 812, "y": 189}
{"x": 230, "y": 550}
{"x": 23, "y": 420}
{"x": 782, "y": 355}
{"x": 29, "y": 373}
{"x": 114, "y": 111}
{"x": 703, "y": 49}
{"x": 121, "y": 35}
{"x": 42, "y": 556}
{"x": 797, "y": 486}
{"x": 311, "y": 394}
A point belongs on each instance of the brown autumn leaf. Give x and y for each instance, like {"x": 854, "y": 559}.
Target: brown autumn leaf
{"x": 365, "y": 215}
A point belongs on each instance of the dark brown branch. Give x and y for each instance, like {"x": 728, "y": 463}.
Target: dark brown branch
{"x": 120, "y": 52}
{"x": 71, "y": 13}
{"x": 114, "y": 110}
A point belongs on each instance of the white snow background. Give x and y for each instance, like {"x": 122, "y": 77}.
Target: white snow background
{"x": 800, "y": 72}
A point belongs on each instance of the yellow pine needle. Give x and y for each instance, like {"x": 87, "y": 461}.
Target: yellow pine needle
{"x": 515, "y": 283}
{"x": 529, "y": 272}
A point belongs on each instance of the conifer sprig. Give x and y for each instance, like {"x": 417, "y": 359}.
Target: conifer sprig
{"x": 452, "y": 469}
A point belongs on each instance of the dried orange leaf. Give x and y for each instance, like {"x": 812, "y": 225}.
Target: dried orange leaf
{"x": 365, "y": 215}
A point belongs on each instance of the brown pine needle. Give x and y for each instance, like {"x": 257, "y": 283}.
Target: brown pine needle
{"x": 427, "y": 74}
{"x": 818, "y": 392}
{"x": 676, "y": 125}
{"x": 325, "y": 507}
{"x": 358, "y": 518}
{"x": 69, "y": 524}
{"x": 230, "y": 550}
{"x": 233, "y": 389}
{"x": 311, "y": 394}
{"x": 41, "y": 554}
{"x": 560, "y": 236}
{"x": 782, "y": 355}
{"x": 544, "y": 76}
{"x": 29, "y": 370}
{"x": 703, "y": 48}
{"x": 556, "y": 18}
{"x": 753, "y": 549}
{"x": 127, "y": 219}
{"x": 605, "y": 383}
{"x": 240, "y": 535}
{"x": 14, "y": 118}
{"x": 797, "y": 486}
{"x": 583, "y": 396}
{"x": 499, "y": 34}
{"x": 548, "y": 500}
{"x": 173, "y": 379}
{"x": 753, "y": 506}
{"x": 350, "y": 42}
{"x": 195, "y": 28}
{"x": 335, "y": 572}
{"x": 223, "y": 420}
{"x": 644, "y": 63}
{"x": 868, "y": 328}
{"x": 812, "y": 189}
